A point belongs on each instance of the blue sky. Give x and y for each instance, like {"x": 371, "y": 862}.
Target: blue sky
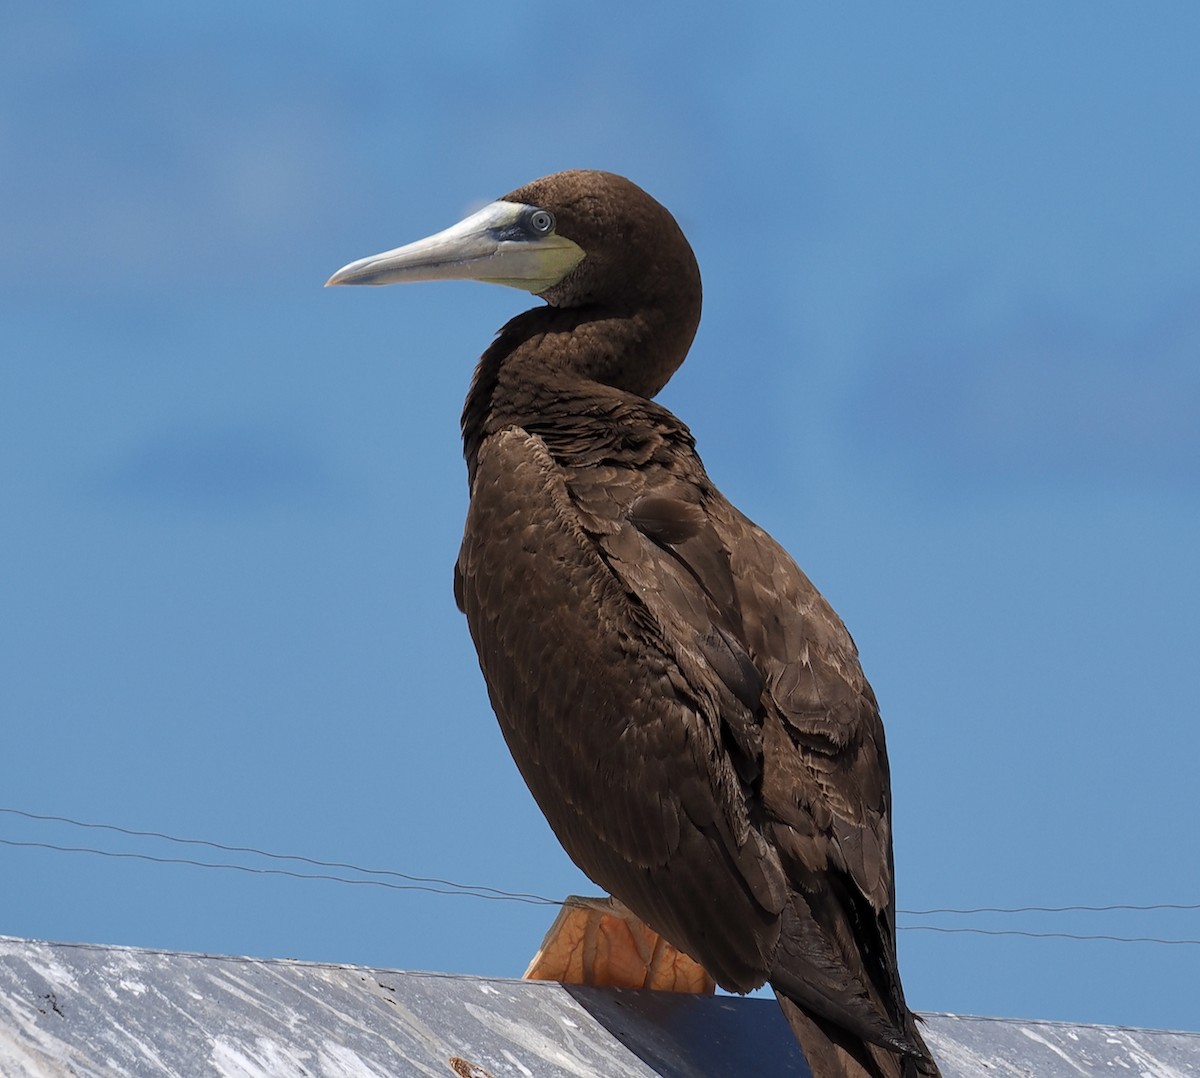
{"x": 949, "y": 358}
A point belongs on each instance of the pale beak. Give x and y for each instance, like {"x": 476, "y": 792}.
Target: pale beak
{"x": 494, "y": 245}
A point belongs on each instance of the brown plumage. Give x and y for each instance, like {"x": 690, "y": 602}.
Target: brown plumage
{"x": 686, "y": 708}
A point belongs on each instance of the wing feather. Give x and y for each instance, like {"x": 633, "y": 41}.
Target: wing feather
{"x": 692, "y": 718}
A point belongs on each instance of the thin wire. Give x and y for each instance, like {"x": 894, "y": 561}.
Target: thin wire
{"x": 535, "y": 900}
{"x": 436, "y": 885}
{"x": 531, "y": 900}
{"x": 1047, "y": 935}
{"x": 1057, "y": 909}
{"x": 465, "y": 887}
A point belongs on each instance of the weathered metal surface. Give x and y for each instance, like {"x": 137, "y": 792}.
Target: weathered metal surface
{"x": 1016, "y": 1048}
{"x": 89, "y": 1010}
{"x": 84, "y": 1011}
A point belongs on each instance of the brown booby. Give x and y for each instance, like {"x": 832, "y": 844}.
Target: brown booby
{"x": 686, "y": 708}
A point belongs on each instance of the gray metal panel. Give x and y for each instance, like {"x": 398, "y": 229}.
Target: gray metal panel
{"x": 1016, "y": 1048}
{"x": 86, "y": 1010}
{"x": 82, "y": 1010}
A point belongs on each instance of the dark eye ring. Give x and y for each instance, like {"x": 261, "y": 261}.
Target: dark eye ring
{"x": 541, "y": 221}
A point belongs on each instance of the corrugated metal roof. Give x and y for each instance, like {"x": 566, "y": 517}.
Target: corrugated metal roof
{"x": 86, "y": 1010}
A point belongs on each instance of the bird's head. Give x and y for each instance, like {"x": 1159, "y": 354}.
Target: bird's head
{"x": 575, "y": 238}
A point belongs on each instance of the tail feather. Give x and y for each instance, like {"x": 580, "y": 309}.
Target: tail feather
{"x": 833, "y": 1052}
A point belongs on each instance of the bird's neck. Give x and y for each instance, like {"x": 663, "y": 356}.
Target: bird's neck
{"x": 549, "y": 364}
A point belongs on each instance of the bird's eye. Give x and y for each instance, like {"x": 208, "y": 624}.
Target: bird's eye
{"x": 541, "y": 221}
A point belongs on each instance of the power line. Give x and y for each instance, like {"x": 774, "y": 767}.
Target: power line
{"x": 435, "y": 885}
{"x": 1047, "y": 935}
{"x": 532, "y": 900}
{"x": 1057, "y": 909}
{"x": 316, "y": 863}
{"x": 536, "y": 900}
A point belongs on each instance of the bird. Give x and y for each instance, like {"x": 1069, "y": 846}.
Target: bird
{"x": 686, "y": 708}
